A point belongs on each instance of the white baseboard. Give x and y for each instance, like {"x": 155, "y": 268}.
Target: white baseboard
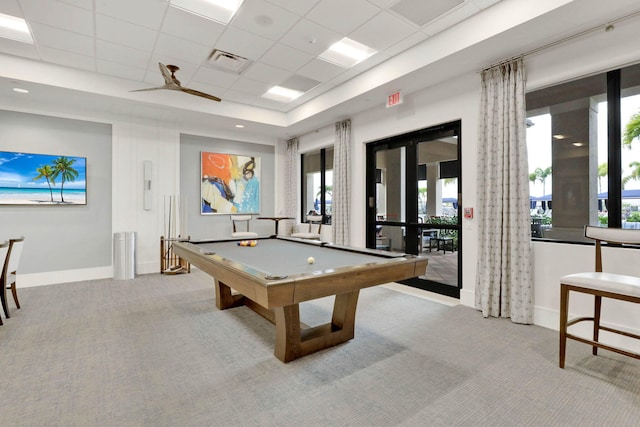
{"x": 64, "y": 276}
{"x": 67, "y": 276}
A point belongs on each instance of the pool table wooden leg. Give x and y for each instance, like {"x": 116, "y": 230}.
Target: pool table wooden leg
{"x": 287, "y": 332}
{"x": 293, "y": 342}
{"x": 224, "y": 297}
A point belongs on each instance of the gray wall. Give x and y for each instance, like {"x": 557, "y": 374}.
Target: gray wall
{"x": 201, "y": 227}
{"x": 61, "y": 237}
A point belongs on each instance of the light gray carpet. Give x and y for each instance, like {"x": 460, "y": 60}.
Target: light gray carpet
{"x": 155, "y": 351}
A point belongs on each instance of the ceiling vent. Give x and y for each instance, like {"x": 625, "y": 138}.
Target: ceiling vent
{"x": 228, "y": 61}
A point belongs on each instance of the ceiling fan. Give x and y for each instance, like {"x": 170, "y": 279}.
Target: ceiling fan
{"x": 172, "y": 83}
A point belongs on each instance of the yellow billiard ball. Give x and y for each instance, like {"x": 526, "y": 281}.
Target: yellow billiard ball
{"x": 311, "y": 260}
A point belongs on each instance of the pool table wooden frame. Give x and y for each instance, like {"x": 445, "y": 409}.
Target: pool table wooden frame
{"x": 278, "y": 299}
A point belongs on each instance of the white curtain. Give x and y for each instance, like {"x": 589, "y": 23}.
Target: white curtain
{"x": 292, "y": 177}
{"x": 341, "y": 197}
{"x": 504, "y": 279}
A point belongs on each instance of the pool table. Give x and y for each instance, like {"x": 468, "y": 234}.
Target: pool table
{"x": 274, "y": 277}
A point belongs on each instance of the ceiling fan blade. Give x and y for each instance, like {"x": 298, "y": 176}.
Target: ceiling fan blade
{"x": 172, "y": 83}
{"x": 151, "y": 88}
{"x": 202, "y": 94}
{"x": 168, "y": 79}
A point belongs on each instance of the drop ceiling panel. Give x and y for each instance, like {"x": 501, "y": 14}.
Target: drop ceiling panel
{"x": 242, "y": 43}
{"x": 382, "y": 31}
{"x": 353, "y": 13}
{"x": 286, "y": 57}
{"x": 421, "y": 12}
{"x": 124, "y": 33}
{"x": 85, "y": 4}
{"x": 264, "y": 19}
{"x": 107, "y": 51}
{"x": 250, "y": 86}
{"x": 299, "y": 7}
{"x": 300, "y": 83}
{"x": 181, "y": 49}
{"x": 310, "y": 37}
{"x": 209, "y": 75}
{"x": 188, "y": 26}
{"x": 320, "y": 70}
{"x": 63, "y": 40}
{"x": 10, "y": 7}
{"x": 120, "y": 70}
{"x": 148, "y": 13}
{"x": 266, "y": 73}
{"x": 59, "y": 15}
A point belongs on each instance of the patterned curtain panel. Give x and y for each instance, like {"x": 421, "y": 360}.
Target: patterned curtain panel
{"x": 504, "y": 280}
{"x": 292, "y": 176}
{"x": 341, "y": 198}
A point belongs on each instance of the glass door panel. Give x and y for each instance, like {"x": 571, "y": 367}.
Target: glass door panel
{"x": 413, "y": 187}
{"x": 438, "y": 173}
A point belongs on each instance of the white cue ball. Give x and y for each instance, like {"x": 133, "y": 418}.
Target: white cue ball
{"x": 311, "y": 260}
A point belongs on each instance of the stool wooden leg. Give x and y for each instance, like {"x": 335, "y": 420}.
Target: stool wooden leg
{"x": 564, "y": 315}
{"x": 596, "y": 322}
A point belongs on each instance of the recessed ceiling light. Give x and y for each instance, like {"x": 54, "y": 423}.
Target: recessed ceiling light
{"x": 240, "y": 126}
{"x": 578, "y": 144}
{"x": 559, "y": 136}
{"x": 14, "y": 28}
{"x": 282, "y": 94}
{"x": 347, "y": 53}
{"x": 217, "y": 10}
{"x": 20, "y": 90}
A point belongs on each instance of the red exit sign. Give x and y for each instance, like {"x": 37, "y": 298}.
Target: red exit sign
{"x": 394, "y": 99}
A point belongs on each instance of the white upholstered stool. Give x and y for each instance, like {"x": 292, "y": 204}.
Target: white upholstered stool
{"x": 601, "y": 285}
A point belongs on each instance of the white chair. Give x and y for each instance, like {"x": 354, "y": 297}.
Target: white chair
{"x": 599, "y": 284}
{"x": 236, "y": 220}
{"x": 4, "y": 251}
{"x": 313, "y": 232}
{"x": 9, "y": 273}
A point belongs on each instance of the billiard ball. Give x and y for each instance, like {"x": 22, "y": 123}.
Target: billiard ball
{"x": 311, "y": 260}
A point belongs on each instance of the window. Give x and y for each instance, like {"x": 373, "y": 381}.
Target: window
{"x": 317, "y": 187}
{"x": 581, "y": 170}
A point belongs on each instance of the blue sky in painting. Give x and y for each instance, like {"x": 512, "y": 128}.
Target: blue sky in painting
{"x": 19, "y": 169}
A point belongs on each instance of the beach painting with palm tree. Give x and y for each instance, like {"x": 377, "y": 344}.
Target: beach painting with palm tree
{"x": 42, "y": 179}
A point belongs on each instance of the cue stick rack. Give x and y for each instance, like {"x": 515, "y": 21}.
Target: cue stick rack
{"x": 170, "y": 263}
{"x": 175, "y": 226}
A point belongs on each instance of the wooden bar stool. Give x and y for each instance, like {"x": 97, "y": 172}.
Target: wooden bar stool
{"x": 600, "y": 285}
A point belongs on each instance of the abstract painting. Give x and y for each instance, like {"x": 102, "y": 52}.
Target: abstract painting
{"x": 230, "y": 183}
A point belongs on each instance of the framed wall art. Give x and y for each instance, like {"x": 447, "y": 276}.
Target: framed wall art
{"x": 42, "y": 179}
{"x": 230, "y": 183}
